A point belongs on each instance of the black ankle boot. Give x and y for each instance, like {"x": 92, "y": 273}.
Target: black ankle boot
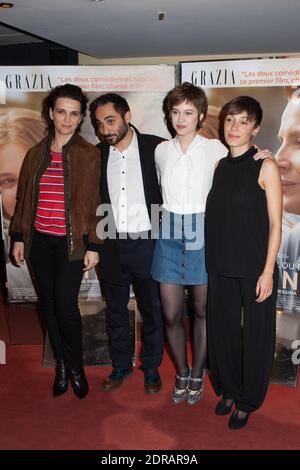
{"x": 61, "y": 380}
{"x": 78, "y": 381}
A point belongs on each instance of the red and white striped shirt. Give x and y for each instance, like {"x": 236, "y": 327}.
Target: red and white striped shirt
{"x": 50, "y": 214}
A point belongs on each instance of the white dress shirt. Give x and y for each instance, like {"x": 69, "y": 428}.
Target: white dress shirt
{"x": 187, "y": 178}
{"x": 126, "y": 189}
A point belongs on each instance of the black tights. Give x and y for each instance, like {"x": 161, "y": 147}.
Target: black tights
{"x": 172, "y": 296}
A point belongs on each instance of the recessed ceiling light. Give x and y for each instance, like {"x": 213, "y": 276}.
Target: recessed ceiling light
{"x": 6, "y": 5}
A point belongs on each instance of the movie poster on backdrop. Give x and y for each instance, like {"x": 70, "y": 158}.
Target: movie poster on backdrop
{"x": 22, "y": 90}
{"x": 274, "y": 83}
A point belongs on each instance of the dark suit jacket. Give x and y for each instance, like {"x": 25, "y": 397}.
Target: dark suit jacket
{"x": 110, "y": 268}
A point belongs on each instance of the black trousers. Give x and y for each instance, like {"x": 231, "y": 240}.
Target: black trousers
{"x": 136, "y": 260}
{"x": 59, "y": 281}
{"x": 241, "y": 339}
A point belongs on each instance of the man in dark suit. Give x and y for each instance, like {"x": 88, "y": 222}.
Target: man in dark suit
{"x": 129, "y": 188}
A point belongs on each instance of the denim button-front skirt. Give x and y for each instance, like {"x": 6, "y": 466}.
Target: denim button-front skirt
{"x": 179, "y": 250}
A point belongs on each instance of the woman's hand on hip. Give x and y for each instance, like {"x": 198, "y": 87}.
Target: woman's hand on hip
{"x": 264, "y": 286}
{"x": 90, "y": 260}
{"x": 18, "y": 253}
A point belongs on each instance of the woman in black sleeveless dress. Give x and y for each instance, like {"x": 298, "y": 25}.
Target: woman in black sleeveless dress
{"x": 243, "y": 232}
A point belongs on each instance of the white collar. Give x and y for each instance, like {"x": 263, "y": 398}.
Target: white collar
{"x": 198, "y": 139}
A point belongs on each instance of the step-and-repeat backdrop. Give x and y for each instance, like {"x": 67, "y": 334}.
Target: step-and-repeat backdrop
{"x": 22, "y": 90}
{"x": 273, "y": 82}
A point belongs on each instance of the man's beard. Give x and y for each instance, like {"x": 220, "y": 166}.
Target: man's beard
{"x": 114, "y": 139}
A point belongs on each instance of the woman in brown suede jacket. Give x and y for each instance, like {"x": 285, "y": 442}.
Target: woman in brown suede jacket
{"x": 54, "y": 226}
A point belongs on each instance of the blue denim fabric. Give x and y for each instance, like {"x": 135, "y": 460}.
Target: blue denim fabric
{"x": 179, "y": 251}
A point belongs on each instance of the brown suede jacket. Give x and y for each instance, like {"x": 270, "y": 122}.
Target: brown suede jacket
{"x": 81, "y": 167}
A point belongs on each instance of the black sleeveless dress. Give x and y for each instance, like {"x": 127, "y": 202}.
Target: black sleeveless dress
{"x": 236, "y": 219}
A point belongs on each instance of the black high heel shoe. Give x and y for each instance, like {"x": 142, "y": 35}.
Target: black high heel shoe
{"x": 61, "y": 381}
{"x": 79, "y": 382}
{"x": 237, "y": 423}
{"x": 222, "y": 408}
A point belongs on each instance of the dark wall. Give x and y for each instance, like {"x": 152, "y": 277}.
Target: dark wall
{"x": 37, "y": 53}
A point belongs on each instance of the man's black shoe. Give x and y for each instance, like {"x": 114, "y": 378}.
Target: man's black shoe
{"x": 115, "y": 379}
{"x": 152, "y": 382}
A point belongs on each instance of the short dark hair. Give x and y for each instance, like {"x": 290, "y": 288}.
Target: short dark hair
{"x": 68, "y": 90}
{"x": 119, "y": 103}
{"x": 243, "y": 103}
{"x": 185, "y": 92}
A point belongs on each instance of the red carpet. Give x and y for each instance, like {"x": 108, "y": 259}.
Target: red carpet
{"x": 127, "y": 418}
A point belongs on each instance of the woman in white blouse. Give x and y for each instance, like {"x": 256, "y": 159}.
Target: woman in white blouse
{"x": 185, "y": 165}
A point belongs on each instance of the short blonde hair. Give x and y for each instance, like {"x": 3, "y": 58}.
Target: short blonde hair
{"x": 21, "y": 125}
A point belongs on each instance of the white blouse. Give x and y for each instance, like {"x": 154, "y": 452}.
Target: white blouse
{"x": 187, "y": 178}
